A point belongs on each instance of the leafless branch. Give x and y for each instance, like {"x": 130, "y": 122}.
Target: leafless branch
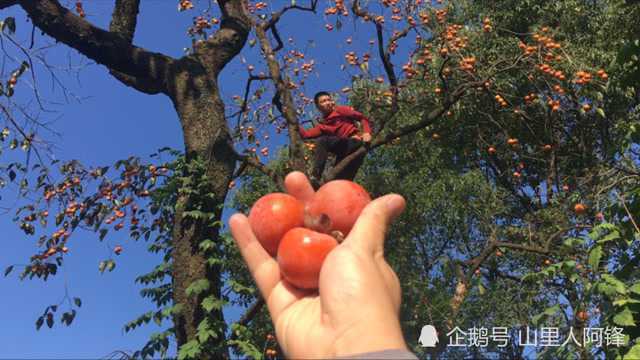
{"x": 105, "y": 47}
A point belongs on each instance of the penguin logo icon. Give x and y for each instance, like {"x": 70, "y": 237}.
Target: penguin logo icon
{"x": 428, "y": 336}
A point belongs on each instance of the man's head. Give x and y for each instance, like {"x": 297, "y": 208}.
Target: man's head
{"x": 324, "y": 102}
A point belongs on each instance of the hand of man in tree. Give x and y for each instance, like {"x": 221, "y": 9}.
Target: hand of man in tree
{"x": 356, "y": 307}
{"x": 366, "y": 137}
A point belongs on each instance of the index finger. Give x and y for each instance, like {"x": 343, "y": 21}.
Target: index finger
{"x": 298, "y": 186}
{"x": 263, "y": 267}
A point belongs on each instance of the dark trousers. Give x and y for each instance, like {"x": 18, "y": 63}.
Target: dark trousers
{"x": 341, "y": 147}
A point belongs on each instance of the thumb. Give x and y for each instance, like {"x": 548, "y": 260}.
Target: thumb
{"x": 370, "y": 229}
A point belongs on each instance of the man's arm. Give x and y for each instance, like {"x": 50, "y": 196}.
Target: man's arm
{"x": 311, "y": 133}
{"x": 358, "y": 116}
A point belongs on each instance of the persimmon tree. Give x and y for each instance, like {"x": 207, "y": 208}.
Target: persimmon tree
{"x": 511, "y": 102}
{"x": 551, "y": 128}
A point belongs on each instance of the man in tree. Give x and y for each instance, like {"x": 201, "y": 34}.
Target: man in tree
{"x": 341, "y": 131}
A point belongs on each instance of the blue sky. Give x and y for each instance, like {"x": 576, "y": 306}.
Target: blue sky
{"x": 111, "y": 123}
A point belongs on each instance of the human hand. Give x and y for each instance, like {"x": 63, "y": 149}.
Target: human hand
{"x": 366, "y": 137}
{"x": 356, "y": 307}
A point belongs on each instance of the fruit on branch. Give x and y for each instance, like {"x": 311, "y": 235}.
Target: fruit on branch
{"x": 582, "y": 315}
{"x": 272, "y": 216}
{"x": 301, "y": 254}
{"x": 342, "y": 201}
{"x": 580, "y": 208}
{"x": 117, "y": 250}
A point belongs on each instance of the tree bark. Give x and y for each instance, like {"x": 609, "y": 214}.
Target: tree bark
{"x": 192, "y": 84}
{"x": 206, "y": 139}
{"x": 195, "y": 94}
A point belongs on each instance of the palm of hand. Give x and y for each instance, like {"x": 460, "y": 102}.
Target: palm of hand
{"x": 313, "y": 325}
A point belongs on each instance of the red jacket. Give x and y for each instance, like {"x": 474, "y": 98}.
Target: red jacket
{"x": 340, "y": 122}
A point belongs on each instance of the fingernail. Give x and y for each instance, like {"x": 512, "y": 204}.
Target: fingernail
{"x": 394, "y": 202}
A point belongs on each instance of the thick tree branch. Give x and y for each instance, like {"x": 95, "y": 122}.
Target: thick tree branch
{"x": 251, "y": 312}
{"x": 283, "y": 94}
{"x": 258, "y": 165}
{"x": 124, "y": 18}
{"x": 227, "y": 42}
{"x": 123, "y": 23}
{"x": 246, "y": 318}
{"x": 104, "y": 47}
{"x": 7, "y": 3}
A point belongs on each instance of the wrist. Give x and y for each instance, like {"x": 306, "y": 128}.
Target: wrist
{"x": 370, "y": 335}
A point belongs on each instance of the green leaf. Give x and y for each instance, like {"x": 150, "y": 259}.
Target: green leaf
{"x": 197, "y": 287}
{"x": 625, "y": 301}
{"x": 547, "y": 312}
{"x": 59, "y": 218}
{"x": 190, "y": 350}
{"x": 606, "y": 289}
{"x": 635, "y": 288}
{"x": 633, "y": 353}
{"x": 624, "y": 318}
{"x": 77, "y": 301}
{"x": 619, "y": 286}
{"x": 9, "y": 24}
{"x": 211, "y": 302}
{"x": 207, "y": 245}
{"x": 614, "y": 235}
{"x": 8, "y": 270}
{"x": 594, "y": 257}
{"x": 39, "y": 322}
{"x": 600, "y": 112}
{"x": 481, "y": 289}
{"x": 206, "y": 331}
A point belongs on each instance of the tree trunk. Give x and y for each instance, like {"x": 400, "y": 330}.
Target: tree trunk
{"x": 207, "y": 139}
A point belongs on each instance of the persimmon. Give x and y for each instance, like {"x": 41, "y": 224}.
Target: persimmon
{"x": 272, "y": 216}
{"x": 117, "y": 250}
{"x": 342, "y": 201}
{"x": 580, "y": 208}
{"x": 491, "y": 150}
{"x": 301, "y": 253}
